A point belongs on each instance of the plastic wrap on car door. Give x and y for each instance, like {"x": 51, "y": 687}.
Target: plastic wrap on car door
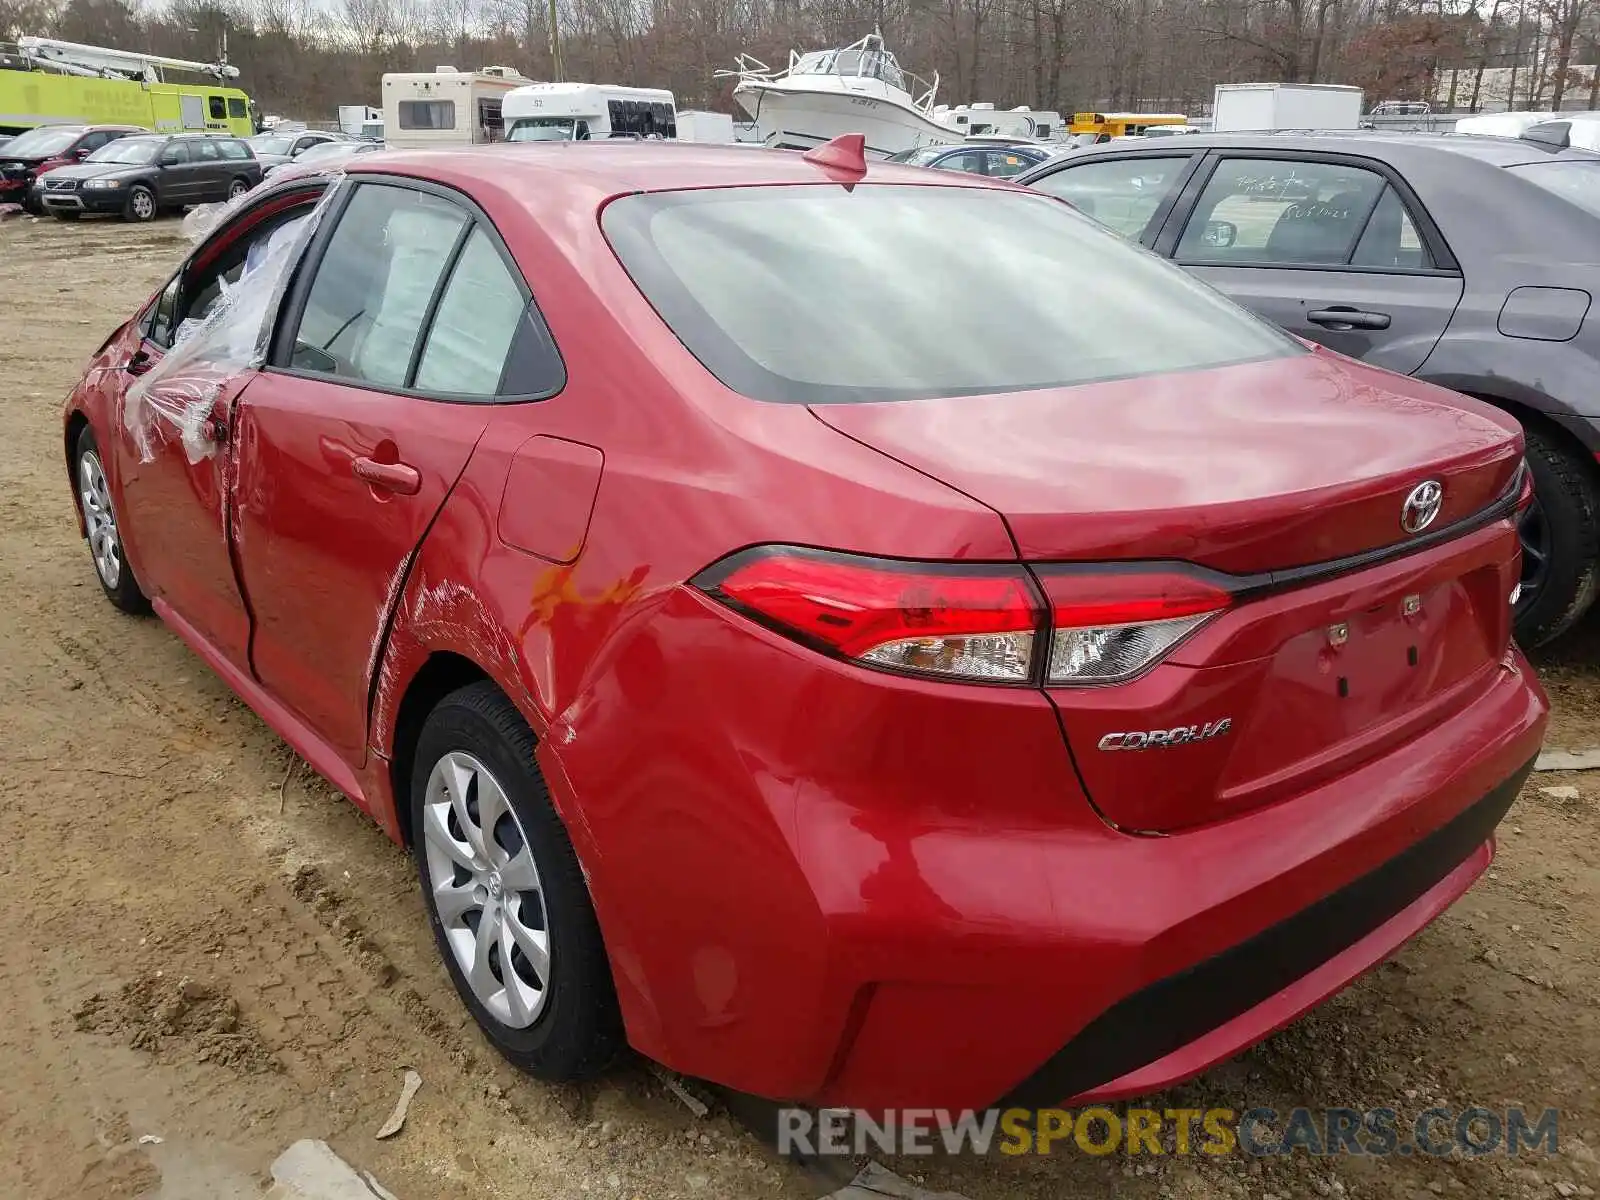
{"x": 176, "y": 397}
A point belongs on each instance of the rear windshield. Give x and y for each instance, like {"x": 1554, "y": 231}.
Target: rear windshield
{"x": 921, "y": 156}
{"x": 1574, "y": 180}
{"x": 816, "y": 294}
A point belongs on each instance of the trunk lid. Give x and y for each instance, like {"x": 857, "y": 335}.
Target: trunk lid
{"x": 1254, "y": 471}
{"x": 1243, "y": 469}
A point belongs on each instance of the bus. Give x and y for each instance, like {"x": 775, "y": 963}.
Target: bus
{"x": 49, "y": 82}
{"x": 1088, "y": 128}
{"x": 577, "y": 112}
{"x": 425, "y": 110}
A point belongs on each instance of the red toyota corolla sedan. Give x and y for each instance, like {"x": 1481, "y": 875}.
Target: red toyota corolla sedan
{"x": 865, "y": 636}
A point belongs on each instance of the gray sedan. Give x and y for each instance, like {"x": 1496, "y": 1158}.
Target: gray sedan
{"x": 1465, "y": 261}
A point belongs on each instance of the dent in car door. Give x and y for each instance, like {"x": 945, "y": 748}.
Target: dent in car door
{"x": 1331, "y": 249}
{"x": 344, "y": 462}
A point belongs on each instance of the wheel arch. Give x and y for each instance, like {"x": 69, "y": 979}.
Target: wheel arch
{"x": 1534, "y": 418}
{"x": 441, "y": 673}
{"x": 77, "y": 422}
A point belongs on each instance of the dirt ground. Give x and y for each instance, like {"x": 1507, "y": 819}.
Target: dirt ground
{"x": 201, "y": 945}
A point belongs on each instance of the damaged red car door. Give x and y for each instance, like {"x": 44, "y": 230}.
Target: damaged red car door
{"x": 387, "y": 362}
{"x": 175, "y": 398}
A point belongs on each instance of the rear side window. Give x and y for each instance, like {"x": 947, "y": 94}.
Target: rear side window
{"x": 815, "y": 294}
{"x": 1265, "y": 210}
{"x": 427, "y": 114}
{"x": 233, "y": 149}
{"x": 206, "y": 150}
{"x": 472, "y": 331}
{"x": 1575, "y": 181}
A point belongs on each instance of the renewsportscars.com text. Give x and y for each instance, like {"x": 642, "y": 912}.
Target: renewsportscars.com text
{"x": 1098, "y": 1130}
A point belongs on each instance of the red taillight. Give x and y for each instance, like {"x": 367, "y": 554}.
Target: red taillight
{"x": 976, "y": 622}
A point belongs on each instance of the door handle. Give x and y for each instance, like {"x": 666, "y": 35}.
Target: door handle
{"x": 392, "y": 477}
{"x": 1339, "y": 317}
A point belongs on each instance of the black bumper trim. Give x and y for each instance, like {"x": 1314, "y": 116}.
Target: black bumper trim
{"x": 1172, "y": 1012}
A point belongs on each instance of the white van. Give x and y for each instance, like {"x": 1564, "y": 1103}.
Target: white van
{"x": 577, "y": 112}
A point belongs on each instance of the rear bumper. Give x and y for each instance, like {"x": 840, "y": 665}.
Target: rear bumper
{"x": 848, "y": 889}
{"x": 1182, "y": 1024}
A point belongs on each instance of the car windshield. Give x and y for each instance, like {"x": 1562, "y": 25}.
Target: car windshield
{"x": 1574, "y": 180}
{"x": 919, "y": 157}
{"x": 271, "y": 143}
{"x": 541, "y": 129}
{"x": 826, "y": 295}
{"x": 44, "y": 142}
{"x": 127, "y": 150}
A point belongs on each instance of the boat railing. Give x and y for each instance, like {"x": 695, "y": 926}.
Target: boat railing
{"x": 866, "y": 59}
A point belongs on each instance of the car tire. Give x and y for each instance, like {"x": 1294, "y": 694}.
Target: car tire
{"x": 475, "y": 749}
{"x": 238, "y": 188}
{"x": 111, "y": 566}
{"x": 1560, "y": 541}
{"x": 141, "y": 204}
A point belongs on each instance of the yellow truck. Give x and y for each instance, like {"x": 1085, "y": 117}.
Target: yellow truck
{"x": 49, "y": 82}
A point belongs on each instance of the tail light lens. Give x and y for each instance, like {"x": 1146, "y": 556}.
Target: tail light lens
{"x": 975, "y": 622}
{"x": 1109, "y": 626}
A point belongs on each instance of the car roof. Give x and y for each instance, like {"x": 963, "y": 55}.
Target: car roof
{"x": 1391, "y": 145}
{"x": 597, "y": 169}
{"x": 115, "y": 129}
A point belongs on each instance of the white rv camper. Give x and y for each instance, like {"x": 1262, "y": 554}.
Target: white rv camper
{"x": 446, "y": 107}
{"x": 577, "y": 112}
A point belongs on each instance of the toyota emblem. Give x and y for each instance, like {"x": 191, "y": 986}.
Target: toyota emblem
{"x": 1421, "y": 506}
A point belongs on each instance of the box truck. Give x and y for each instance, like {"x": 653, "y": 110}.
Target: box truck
{"x": 1238, "y": 107}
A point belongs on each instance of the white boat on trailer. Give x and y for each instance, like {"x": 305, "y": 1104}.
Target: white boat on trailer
{"x": 859, "y": 88}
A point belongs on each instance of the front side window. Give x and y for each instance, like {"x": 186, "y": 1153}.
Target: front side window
{"x": 369, "y": 299}
{"x": 1280, "y": 211}
{"x": 472, "y": 330}
{"x": 176, "y": 154}
{"x": 1123, "y": 194}
{"x": 427, "y": 114}
{"x": 236, "y": 108}
{"x": 815, "y": 294}
{"x": 218, "y": 108}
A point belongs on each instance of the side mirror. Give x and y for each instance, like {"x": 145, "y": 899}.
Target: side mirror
{"x": 80, "y": 154}
{"x": 1219, "y": 235}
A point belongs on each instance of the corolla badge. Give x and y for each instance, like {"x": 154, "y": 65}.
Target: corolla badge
{"x": 1422, "y": 506}
{"x": 1160, "y": 739}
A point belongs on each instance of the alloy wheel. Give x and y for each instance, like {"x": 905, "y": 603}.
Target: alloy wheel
{"x": 98, "y": 518}
{"x": 237, "y": 189}
{"x": 144, "y": 205}
{"x": 485, "y": 889}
